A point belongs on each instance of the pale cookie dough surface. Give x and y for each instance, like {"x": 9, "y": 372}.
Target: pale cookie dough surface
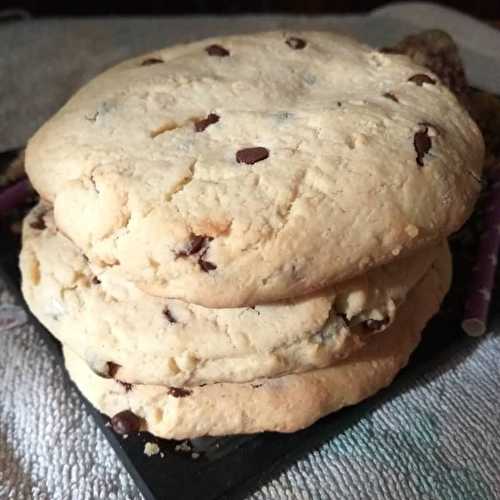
{"x": 284, "y": 404}
{"x": 137, "y": 338}
{"x": 142, "y": 165}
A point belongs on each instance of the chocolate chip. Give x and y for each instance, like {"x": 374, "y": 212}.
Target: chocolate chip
{"x": 96, "y": 280}
{"x": 112, "y": 369}
{"x": 421, "y": 78}
{"x": 391, "y": 96}
{"x": 206, "y": 265}
{"x": 252, "y": 155}
{"x": 422, "y": 144}
{"x": 388, "y": 50}
{"x": 168, "y": 315}
{"x": 217, "y": 50}
{"x": 373, "y": 325}
{"x": 150, "y": 61}
{"x": 296, "y": 43}
{"x": 195, "y": 244}
{"x": 126, "y": 385}
{"x": 178, "y": 392}
{"x": 437, "y": 51}
{"x": 125, "y": 422}
{"x": 339, "y": 104}
{"x": 39, "y": 223}
{"x": 201, "y": 125}
{"x": 256, "y": 386}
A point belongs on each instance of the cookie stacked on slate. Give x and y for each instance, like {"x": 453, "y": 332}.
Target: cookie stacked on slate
{"x": 246, "y": 233}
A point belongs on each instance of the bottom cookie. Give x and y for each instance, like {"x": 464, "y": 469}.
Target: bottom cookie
{"x": 283, "y": 404}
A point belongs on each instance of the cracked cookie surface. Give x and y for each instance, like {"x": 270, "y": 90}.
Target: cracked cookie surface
{"x": 283, "y": 404}
{"x": 299, "y": 159}
{"x": 133, "y": 337}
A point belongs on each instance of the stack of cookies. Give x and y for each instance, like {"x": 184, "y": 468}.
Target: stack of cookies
{"x": 246, "y": 233}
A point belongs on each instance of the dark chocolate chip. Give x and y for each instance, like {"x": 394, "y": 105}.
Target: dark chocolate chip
{"x": 422, "y": 144}
{"x": 150, "y": 61}
{"x": 339, "y": 104}
{"x": 201, "y": 125}
{"x": 296, "y": 43}
{"x": 421, "y": 78}
{"x": 168, "y": 315}
{"x": 39, "y": 223}
{"x": 388, "y": 50}
{"x": 178, "y": 392}
{"x": 195, "y": 244}
{"x": 112, "y": 368}
{"x": 126, "y": 385}
{"x": 391, "y": 96}
{"x": 206, "y": 265}
{"x": 96, "y": 280}
{"x": 373, "y": 325}
{"x": 217, "y": 50}
{"x": 256, "y": 386}
{"x": 252, "y": 155}
{"x": 125, "y": 422}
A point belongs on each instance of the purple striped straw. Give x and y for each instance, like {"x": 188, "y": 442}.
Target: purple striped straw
{"x": 483, "y": 274}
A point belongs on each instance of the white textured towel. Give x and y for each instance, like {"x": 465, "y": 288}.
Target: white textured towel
{"x": 438, "y": 438}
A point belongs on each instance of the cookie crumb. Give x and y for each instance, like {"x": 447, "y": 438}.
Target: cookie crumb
{"x": 151, "y": 449}
{"x": 412, "y": 231}
{"x": 396, "y": 251}
{"x": 184, "y": 447}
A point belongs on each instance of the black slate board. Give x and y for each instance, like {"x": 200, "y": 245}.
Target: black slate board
{"x": 232, "y": 467}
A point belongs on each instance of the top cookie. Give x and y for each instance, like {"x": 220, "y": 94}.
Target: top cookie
{"x": 247, "y": 169}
